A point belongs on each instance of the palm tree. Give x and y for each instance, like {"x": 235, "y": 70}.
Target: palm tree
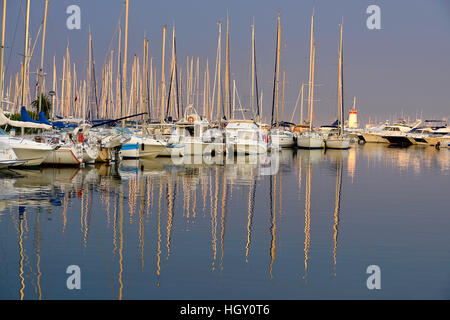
{"x": 46, "y": 105}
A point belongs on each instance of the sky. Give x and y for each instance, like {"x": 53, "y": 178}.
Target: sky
{"x": 401, "y": 69}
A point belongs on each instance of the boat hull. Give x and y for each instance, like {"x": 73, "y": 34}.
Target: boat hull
{"x": 337, "y": 143}
{"x": 141, "y": 151}
{"x": 32, "y": 157}
{"x": 310, "y": 142}
{"x": 283, "y": 141}
{"x": 373, "y": 138}
{"x": 65, "y": 155}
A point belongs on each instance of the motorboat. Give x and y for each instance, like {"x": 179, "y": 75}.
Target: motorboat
{"x": 7, "y": 157}
{"x": 245, "y": 137}
{"x": 32, "y": 153}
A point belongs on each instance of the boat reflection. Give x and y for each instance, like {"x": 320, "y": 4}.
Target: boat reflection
{"x": 149, "y": 214}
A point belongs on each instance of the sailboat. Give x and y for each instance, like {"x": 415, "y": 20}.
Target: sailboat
{"x": 338, "y": 139}
{"x": 245, "y": 137}
{"x": 280, "y": 136}
{"x": 30, "y": 152}
{"x": 311, "y": 139}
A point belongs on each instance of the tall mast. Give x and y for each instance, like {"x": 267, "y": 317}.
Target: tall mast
{"x": 342, "y": 81}
{"x": 227, "y": 74}
{"x": 282, "y": 96}
{"x": 340, "y": 88}
{"x": 218, "y": 71}
{"x": 275, "y": 76}
{"x": 311, "y": 72}
{"x": 41, "y": 70}
{"x": 2, "y": 54}
{"x": 312, "y": 85}
{"x": 25, "y": 54}
{"x": 54, "y": 87}
{"x": 89, "y": 83}
{"x": 125, "y": 55}
{"x": 163, "y": 88}
{"x": 278, "y": 63}
{"x": 252, "y": 88}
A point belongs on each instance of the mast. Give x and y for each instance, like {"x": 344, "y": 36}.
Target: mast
{"x": 275, "y": 76}
{"x": 282, "y": 96}
{"x": 218, "y": 71}
{"x": 341, "y": 63}
{"x": 54, "y": 87}
{"x": 301, "y": 106}
{"x": 2, "y": 54}
{"x": 163, "y": 88}
{"x": 227, "y": 74}
{"x": 252, "y": 88}
{"x": 24, "y": 69}
{"x": 125, "y": 55}
{"x": 89, "y": 83}
{"x": 41, "y": 89}
{"x": 278, "y": 64}
{"x": 311, "y": 73}
{"x": 312, "y": 86}
{"x": 119, "y": 81}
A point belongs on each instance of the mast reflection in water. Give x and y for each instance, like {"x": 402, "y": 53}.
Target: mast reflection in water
{"x": 159, "y": 230}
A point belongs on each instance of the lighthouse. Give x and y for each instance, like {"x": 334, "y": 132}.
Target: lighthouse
{"x": 353, "y": 116}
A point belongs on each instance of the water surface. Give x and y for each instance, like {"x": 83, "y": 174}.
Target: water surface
{"x": 159, "y": 230}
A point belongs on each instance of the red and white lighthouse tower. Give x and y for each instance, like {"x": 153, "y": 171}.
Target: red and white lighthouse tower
{"x": 353, "y": 116}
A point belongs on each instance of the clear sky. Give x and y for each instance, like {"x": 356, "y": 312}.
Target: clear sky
{"x": 402, "y": 68}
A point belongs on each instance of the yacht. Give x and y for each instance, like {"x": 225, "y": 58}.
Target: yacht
{"x": 310, "y": 140}
{"x": 282, "y": 138}
{"x": 197, "y": 135}
{"x": 7, "y": 157}
{"x": 245, "y": 137}
{"x": 337, "y": 139}
{"x": 142, "y": 147}
{"x": 68, "y": 152}
{"x": 32, "y": 153}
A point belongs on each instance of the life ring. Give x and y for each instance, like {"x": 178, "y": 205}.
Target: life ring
{"x": 190, "y": 119}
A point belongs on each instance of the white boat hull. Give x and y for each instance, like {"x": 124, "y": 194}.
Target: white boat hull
{"x": 310, "y": 142}
{"x": 201, "y": 148}
{"x": 336, "y": 142}
{"x": 283, "y": 141}
{"x": 32, "y": 157}
{"x": 65, "y": 155}
{"x": 141, "y": 150}
{"x": 90, "y": 154}
{"x": 176, "y": 150}
{"x": 373, "y": 138}
{"x": 247, "y": 148}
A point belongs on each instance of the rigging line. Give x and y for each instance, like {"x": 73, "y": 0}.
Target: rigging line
{"x": 296, "y": 104}
{"x": 14, "y": 39}
{"x": 113, "y": 37}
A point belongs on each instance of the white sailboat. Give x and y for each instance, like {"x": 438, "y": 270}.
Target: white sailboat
{"x": 338, "y": 139}
{"x": 68, "y": 151}
{"x": 311, "y": 139}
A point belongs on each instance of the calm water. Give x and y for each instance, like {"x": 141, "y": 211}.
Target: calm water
{"x": 156, "y": 230}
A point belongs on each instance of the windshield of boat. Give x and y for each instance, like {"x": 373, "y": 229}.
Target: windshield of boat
{"x": 2, "y": 132}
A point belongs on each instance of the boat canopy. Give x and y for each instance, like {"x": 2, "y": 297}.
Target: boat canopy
{"x": 4, "y": 120}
